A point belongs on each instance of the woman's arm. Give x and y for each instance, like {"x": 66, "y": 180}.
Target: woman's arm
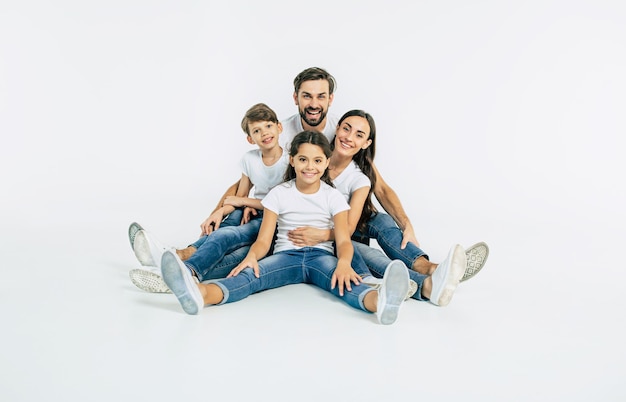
{"x": 261, "y": 246}
{"x": 391, "y": 203}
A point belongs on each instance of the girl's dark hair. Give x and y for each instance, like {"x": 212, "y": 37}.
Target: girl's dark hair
{"x": 314, "y": 138}
{"x": 364, "y": 159}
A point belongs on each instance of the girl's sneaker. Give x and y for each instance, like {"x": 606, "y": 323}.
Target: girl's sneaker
{"x": 392, "y": 292}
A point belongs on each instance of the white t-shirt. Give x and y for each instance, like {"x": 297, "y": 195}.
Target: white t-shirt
{"x": 263, "y": 177}
{"x": 350, "y": 180}
{"x": 293, "y": 126}
{"x": 295, "y": 209}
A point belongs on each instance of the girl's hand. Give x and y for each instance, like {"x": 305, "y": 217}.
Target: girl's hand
{"x": 308, "y": 236}
{"x": 249, "y": 262}
{"x": 234, "y": 201}
{"x": 212, "y": 222}
{"x": 248, "y": 213}
{"x": 343, "y": 276}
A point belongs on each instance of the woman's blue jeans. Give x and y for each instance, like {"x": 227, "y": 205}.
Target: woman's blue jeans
{"x": 305, "y": 265}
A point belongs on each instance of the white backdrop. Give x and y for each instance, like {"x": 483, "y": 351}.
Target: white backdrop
{"x": 497, "y": 121}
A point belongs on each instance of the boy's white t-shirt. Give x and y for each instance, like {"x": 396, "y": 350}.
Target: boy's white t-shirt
{"x": 263, "y": 177}
{"x": 295, "y": 209}
{"x": 293, "y": 126}
{"x": 350, "y": 180}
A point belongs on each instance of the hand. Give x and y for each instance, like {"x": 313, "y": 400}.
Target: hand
{"x": 248, "y": 262}
{"x": 343, "y": 276}
{"x": 308, "y": 236}
{"x": 248, "y": 213}
{"x": 234, "y": 201}
{"x": 212, "y": 222}
{"x": 408, "y": 236}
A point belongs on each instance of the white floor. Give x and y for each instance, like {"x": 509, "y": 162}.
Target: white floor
{"x": 500, "y": 122}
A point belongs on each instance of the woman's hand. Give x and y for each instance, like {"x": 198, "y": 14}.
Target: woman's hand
{"x": 308, "y": 236}
{"x": 343, "y": 276}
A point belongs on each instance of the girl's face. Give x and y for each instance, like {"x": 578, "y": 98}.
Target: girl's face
{"x": 309, "y": 163}
{"x": 352, "y": 135}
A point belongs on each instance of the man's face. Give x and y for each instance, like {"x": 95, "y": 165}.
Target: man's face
{"x": 313, "y": 101}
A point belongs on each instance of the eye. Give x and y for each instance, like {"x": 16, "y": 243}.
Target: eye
{"x": 301, "y": 159}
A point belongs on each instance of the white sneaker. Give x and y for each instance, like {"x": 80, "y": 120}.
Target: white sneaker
{"x": 376, "y": 282}
{"x": 147, "y": 250}
{"x": 181, "y": 282}
{"x": 132, "y": 231}
{"x": 148, "y": 280}
{"x": 392, "y": 292}
{"x": 476, "y": 257}
{"x": 447, "y": 276}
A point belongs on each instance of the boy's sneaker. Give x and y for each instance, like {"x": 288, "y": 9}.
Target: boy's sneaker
{"x": 392, "y": 291}
{"x": 181, "y": 282}
{"x": 476, "y": 256}
{"x": 148, "y": 281}
{"x": 376, "y": 282}
{"x": 132, "y": 231}
{"x": 447, "y": 276}
{"x": 147, "y": 250}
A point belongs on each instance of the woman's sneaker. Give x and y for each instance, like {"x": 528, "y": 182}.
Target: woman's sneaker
{"x": 447, "y": 276}
{"x": 476, "y": 256}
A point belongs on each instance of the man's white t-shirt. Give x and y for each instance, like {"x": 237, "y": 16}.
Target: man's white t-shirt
{"x": 293, "y": 126}
{"x": 263, "y": 177}
{"x": 295, "y": 209}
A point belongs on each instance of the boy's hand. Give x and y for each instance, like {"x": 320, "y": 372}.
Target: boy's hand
{"x": 343, "y": 276}
{"x": 248, "y": 213}
{"x": 234, "y": 201}
{"x": 212, "y": 222}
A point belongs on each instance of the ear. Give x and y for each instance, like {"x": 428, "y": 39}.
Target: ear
{"x": 250, "y": 140}
{"x": 367, "y": 144}
{"x": 280, "y": 127}
{"x": 295, "y": 98}
{"x": 330, "y": 99}
{"x": 291, "y": 161}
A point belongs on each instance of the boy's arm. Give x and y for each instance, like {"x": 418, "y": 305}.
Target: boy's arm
{"x": 241, "y": 198}
{"x": 391, "y": 203}
{"x": 232, "y": 190}
{"x": 215, "y": 219}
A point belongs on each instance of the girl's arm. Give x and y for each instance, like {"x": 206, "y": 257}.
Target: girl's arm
{"x": 391, "y": 203}
{"x": 344, "y": 274}
{"x": 261, "y": 246}
{"x": 308, "y": 236}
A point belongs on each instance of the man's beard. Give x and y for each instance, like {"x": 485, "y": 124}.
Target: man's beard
{"x": 313, "y": 123}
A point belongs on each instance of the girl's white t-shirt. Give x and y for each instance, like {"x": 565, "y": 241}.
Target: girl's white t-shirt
{"x": 295, "y": 209}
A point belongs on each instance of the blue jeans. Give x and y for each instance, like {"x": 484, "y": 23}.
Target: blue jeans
{"x": 377, "y": 263}
{"x": 233, "y": 219}
{"x": 388, "y": 235}
{"x": 306, "y": 265}
{"x": 220, "y": 243}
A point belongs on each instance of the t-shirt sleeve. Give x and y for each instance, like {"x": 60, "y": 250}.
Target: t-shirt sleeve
{"x": 337, "y": 202}
{"x": 244, "y": 164}
{"x": 271, "y": 200}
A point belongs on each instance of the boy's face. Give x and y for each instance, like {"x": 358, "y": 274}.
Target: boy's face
{"x": 313, "y": 100}
{"x": 264, "y": 134}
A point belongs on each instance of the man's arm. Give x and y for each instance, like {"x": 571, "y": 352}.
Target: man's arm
{"x": 391, "y": 203}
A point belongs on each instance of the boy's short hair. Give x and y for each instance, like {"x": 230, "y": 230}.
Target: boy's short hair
{"x": 258, "y": 112}
{"x": 314, "y": 74}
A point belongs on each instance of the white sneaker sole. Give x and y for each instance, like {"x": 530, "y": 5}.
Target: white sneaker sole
{"x": 180, "y": 281}
{"x": 476, "y": 257}
{"x": 132, "y": 232}
{"x": 392, "y": 292}
{"x": 148, "y": 281}
{"x": 145, "y": 251}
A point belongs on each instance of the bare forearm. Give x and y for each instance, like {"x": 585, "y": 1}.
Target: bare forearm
{"x": 232, "y": 190}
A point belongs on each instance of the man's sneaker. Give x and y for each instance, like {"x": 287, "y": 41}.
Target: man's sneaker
{"x": 376, "y": 282}
{"x": 476, "y": 256}
{"x": 447, "y": 276}
{"x": 181, "y": 282}
{"x": 132, "y": 232}
{"x": 148, "y": 281}
{"x": 147, "y": 249}
{"x": 392, "y": 292}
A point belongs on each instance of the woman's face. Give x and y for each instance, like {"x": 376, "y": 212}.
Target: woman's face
{"x": 353, "y": 135}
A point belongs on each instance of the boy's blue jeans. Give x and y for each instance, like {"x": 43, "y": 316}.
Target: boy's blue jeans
{"x": 305, "y": 265}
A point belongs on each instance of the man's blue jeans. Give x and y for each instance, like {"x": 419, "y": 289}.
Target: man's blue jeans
{"x": 305, "y": 265}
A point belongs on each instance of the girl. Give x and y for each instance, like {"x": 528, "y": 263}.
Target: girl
{"x": 306, "y": 197}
